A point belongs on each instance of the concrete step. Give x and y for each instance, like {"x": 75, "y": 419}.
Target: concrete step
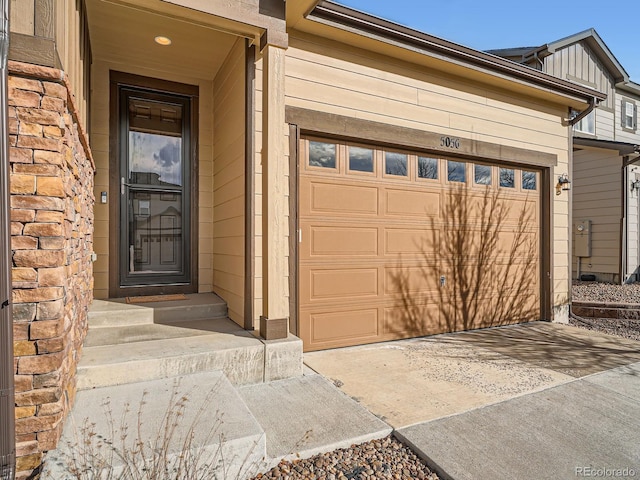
{"x": 124, "y": 334}
{"x": 208, "y": 413}
{"x": 307, "y": 415}
{"x": 111, "y": 314}
{"x": 239, "y": 355}
{"x": 117, "y": 312}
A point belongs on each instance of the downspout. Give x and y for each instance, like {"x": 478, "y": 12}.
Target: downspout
{"x": 626, "y": 162}
{"x": 624, "y": 227}
{"x": 593, "y": 103}
{"x": 7, "y": 392}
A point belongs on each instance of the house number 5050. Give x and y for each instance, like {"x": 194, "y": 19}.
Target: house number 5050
{"x": 450, "y": 142}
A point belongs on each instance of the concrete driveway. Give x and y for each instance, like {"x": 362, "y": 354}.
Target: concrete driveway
{"x": 538, "y": 400}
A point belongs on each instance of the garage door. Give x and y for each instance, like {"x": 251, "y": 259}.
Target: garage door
{"x": 397, "y": 244}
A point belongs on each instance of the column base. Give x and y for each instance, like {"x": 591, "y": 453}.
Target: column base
{"x": 274, "y": 328}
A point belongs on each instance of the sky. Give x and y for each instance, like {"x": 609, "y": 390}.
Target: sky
{"x": 491, "y": 24}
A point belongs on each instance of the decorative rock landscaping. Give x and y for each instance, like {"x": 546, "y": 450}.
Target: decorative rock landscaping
{"x": 378, "y": 459}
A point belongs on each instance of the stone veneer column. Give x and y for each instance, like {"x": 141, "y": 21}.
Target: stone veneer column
{"x": 52, "y": 241}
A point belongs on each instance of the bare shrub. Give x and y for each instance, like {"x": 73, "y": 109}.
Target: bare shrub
{"x": 171, "y": 452}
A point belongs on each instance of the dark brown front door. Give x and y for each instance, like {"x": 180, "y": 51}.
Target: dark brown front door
{"x": 154, "y": 217}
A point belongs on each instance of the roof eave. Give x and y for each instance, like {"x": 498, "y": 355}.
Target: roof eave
{"x": 594, "y": 40}
{"x": 623, "y": 148}
{"x": 336, "y": 15}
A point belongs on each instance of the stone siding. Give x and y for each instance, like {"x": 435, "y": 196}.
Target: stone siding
{"x": 52, "y": 204}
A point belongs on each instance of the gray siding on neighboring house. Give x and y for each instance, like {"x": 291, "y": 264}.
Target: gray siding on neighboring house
{"x": 596, "y": 197}
{"x": 624, "y": 134}
{"x": 577, "y": 62}
{"x": 605, "y": 120}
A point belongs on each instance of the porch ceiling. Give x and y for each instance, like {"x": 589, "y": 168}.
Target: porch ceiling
{"x": 123, "y": 32}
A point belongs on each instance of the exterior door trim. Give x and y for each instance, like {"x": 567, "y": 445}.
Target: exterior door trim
{"x": 118, "y": 79}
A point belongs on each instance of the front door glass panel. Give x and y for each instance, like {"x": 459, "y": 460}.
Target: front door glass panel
{"x": 154, "y": 181}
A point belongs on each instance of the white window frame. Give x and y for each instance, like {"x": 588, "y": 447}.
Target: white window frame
{"x": 587, "y": 124}
{"x": 629, "y": 115}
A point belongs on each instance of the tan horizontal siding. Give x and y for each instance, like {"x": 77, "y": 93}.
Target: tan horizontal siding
{"x": 228, "y": 180}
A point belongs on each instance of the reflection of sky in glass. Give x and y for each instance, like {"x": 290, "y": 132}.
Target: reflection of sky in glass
{"x": 361, "y": 159}
{"x": 160, "y": 154}
{"x": 482, "y": 174}
{"x": 427, "y": 167}
{"x": 529, "y": 180}
{"x": 322, "y": 154}
{"x": 395, "y": 163}
{"x": 456, "y": 171}
{"x": 587, "y": 124}
{"x": 507, "y": 178}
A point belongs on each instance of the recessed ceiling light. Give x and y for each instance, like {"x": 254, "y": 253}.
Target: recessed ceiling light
{"x": 161, "y": 40}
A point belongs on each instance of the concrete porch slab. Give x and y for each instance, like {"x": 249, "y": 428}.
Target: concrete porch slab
{"x": 307, "y": 415}
{"x": 213, "y": 413}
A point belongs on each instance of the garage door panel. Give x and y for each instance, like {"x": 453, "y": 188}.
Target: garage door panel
{"x": 401, "y": 281}
{"x": 340, "y": 241}
{"x": 340, "y": 283}
{"x": 411, "y": 241}
{"x": 411, "y": 321}
{"x": 522, "y": 211}
{"x": 408, "y": 203}
{"x": 324, "y": 329}
{"x": 335, "y": 199}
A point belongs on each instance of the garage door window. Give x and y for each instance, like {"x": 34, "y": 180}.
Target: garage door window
{"x": 322, "y": 154}
{"x": 428, "y": 168}
{"x": 482, "y": 174}
{"x": 456, "y": 171}
{"x": 395, "y": 164}
{"x": 361, "y": 159}
{"x": 529, "y": 180}
{"x": 507, "y": 178}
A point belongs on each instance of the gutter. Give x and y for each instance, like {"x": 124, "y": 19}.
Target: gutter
{"x": 593, "y": 103}
{"x": 7, "y": 388}
{"x": 332, "y": 14}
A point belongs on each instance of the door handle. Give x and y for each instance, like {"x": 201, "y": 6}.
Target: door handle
{"x": 122, "y": 185}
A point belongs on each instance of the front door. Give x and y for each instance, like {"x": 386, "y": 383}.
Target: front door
{"x": 154, "y": 162}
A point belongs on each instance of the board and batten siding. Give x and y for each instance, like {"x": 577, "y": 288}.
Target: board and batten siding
{"x": 22, "y": 16}
{"x": 578, "y": 63}
{"x": 228, "y": 180}
{"x": 100, "y": 149}
{"x": 62, "y": 21}
{"x": 596, "y": 196}
{"x": 354, "y": 83}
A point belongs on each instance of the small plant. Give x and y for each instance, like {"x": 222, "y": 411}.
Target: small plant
{"x": 128, "y": 452}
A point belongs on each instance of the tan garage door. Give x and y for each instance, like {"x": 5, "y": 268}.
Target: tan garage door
{"x": 396, "y": 244}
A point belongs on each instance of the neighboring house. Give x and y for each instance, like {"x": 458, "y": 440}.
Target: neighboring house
{"x": 606, "y": 142}
{"x": 320, "y": 169}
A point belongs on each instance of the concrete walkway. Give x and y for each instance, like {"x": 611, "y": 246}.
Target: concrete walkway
{"x": 531, "y": 401}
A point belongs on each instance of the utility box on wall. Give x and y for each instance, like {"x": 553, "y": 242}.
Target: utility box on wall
{"x": 582, "y": 242}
